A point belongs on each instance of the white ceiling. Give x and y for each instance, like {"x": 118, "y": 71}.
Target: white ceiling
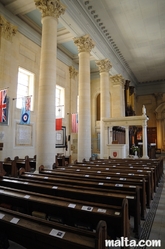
{"x": 131, "y": 33}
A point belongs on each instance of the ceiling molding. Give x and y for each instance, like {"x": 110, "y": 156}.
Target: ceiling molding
{"x": 89, "y": 26}
{"x": 150, "y": 87}
{"x": 23, "y": 28}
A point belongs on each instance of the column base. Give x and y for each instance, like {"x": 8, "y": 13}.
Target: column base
{"x": 145, "y": 157}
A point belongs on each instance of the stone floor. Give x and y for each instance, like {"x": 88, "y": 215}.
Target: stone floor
{"x": 158, "y": 227}
{"x": 153, "y": 227}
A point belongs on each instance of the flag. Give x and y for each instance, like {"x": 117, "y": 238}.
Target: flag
{"x": 3, "y": 106}
{"x": 25, "y": 111}
{"x": 75, "y": 123}
{"x": 58, "y": 124}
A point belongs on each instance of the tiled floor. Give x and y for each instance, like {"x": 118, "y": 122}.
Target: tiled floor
{"x": 158, "y": 227}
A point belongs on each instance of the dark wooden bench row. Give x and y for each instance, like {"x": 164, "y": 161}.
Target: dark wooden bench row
{"x": 107, "y": 177}
{"x": 116, "y": 167}
{"x": 32, "y": 232}
{"x": 116, "y": 184}
{"x": 11, "y": 167}
{"x": 69, "y": 211}
{"x": 156, "y": 163}
{"x": 134, "y": 173}
{"x": 132, "y": 196}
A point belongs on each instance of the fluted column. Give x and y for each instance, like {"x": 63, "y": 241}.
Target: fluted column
{"x": 117, "y": 96}
{"x": 51, "y": 10}
{"x": 85, "y": 45}
{"x": 73, "y": 89}
{"x": 104, "y": 68}
{"x": 127, "y": 140}
{"x": 144, "y": 130}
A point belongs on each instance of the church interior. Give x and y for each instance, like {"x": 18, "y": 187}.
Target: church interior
{"x": 82, "y": 123}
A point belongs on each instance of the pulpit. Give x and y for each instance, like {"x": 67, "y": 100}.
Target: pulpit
{"x": 116, "y": 150}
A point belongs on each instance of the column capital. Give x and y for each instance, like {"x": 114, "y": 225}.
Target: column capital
{"x": 73, "y": 72}
{"x": 104, "y": 65}
{"x": 7, "y": 30}
{"x": 84, "y": 43}
{"x": 50, "y": 7}
{"x": 117, "y": 79}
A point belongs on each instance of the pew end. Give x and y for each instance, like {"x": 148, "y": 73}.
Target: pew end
{"x": 101, "y": 234}
{"x": 2, "y": 171}
{"x": 41, "y": 168}
{"x": 21, "y": 171}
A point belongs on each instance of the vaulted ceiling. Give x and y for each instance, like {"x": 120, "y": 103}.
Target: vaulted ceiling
{"x": 130, "y": 33}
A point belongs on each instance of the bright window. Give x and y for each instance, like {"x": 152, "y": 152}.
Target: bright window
{"x": 25, "y": 87}
{"x": 60, "y": 96}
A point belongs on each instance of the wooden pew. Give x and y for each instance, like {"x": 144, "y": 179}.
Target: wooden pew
{"x": 2, "y": 171}
{"x": 134, "y": 171}
{"x": 32, "y": 233}
{"x": 10, "y": 167}
{"x": 116, "y": 168}
{"x": 105, "y": 196}
{"x": 31, "y": 163}
{"x": 116, "y": 184}
{"x": 22, "y": 163}
{"x": 97, "y": 174}
{"x": 69, "y": 211}
{"x": 156, "y": 163}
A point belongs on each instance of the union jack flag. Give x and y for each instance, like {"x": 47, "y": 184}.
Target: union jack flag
{"x": 3, "y": 106}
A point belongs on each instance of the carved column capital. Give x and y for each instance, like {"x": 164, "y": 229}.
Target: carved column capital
{"x": 50, "y": 7}
{"x": 117, "y": 79}
{"x": 104, "y": 65}
{"x": 7, "y": 29}
{"x": 84, "y": 43}
{"x": 73, "y": 72}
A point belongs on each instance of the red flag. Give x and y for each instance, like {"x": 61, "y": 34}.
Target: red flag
{"x": 58, "y": 124}
{"x": 74, "y": 123}
{"x": 3, "y": 105}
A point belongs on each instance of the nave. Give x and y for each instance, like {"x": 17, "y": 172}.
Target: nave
{"x": 154, "y": 225}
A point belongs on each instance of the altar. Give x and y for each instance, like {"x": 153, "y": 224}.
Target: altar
{"x": 116, "y": 150}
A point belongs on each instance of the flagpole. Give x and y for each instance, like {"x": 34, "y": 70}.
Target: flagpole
{"x": 23, "y": 97}
{"x": 4, "y": 88}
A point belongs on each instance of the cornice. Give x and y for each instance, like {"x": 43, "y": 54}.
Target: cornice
{"x": 148, "y": 88}
{"x": 31, "y": 34}
{"x": 74, "y": 8}
{"x": 23, "y": 28}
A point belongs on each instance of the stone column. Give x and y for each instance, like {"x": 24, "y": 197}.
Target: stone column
{"x": 72, "y": 150}
{"x": 127, "y": 140}
{"x": 51, "y": 10}
{"x": 117, "y": 96}
{"x": 145, "y": 149}
{"x": 73, "y": 89}
{"x": 85, "y": 45}
{"x": 104, "y": 67}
